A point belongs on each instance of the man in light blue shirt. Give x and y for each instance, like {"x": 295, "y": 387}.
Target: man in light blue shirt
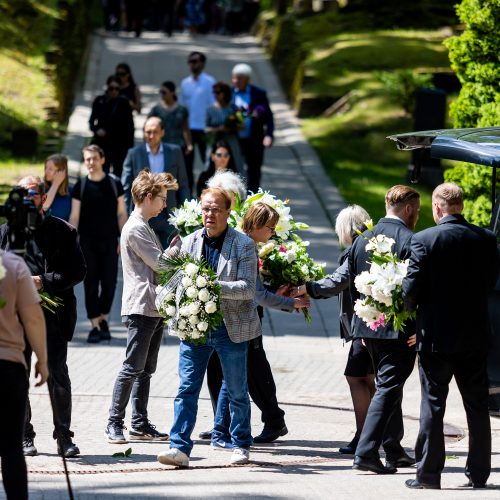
{"x": 197, "y": 95}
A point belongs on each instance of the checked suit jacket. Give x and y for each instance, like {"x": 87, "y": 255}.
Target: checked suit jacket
{"x": 236, "y": 272}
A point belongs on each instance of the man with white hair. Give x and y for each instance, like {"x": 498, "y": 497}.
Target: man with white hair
{"x": 259, "y": 124}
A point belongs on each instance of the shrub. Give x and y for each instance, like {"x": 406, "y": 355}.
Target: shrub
{"x": 475, "y": 57}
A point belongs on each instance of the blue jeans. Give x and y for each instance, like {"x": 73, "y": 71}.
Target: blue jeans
{"x": 193, "y": 362}
{"x": 143, "y": 343}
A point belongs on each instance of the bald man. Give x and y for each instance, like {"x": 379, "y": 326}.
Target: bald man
{"x": 159, "y": 157}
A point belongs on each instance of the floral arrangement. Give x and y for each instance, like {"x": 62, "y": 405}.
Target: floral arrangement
{"x": 235, "y": 121}
{"x": 288, "y": 262}
{"x": 382, "y": 285}
{"x": 286, "y": 226}
{"x": 187, "y": 218}
{"x": 188, "y": 297}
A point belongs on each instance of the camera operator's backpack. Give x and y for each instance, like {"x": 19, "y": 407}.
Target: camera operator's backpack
{"x": 113, "y": 179}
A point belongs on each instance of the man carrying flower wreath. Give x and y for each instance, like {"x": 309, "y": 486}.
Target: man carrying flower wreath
{"x": 392, "y": 351}
{"x": 141, "y": 253}
{"x": 232, "y": 256}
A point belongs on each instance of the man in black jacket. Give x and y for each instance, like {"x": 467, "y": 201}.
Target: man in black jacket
{"x": 56, "y": 262}
{"x": 453, "y": 267}
{"x": 391, "y": 350}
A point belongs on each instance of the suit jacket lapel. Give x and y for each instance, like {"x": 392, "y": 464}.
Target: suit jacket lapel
{"x": 226, "y": 251}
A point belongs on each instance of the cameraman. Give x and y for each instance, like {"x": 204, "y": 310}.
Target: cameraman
{"x": 56, "y": 262}
{"x": 19, "y": 293}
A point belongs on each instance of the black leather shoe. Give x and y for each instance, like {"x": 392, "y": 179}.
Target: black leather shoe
{"x": 270, "y": 434}
{"x": 67, "y": 448}
{"x": 104, "y": 330}
{"x": 94, "y": 336}
{"x": 205, "y": 435}
{"x": 350, "y": 449}
{"x": 372, "y": 465}
{"x": 401, "y": 462}
{"x": 477, "y": 486}
{"x": 414, "y": 484}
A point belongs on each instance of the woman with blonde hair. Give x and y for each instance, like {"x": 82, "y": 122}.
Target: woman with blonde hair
{"x": 359, "y": 370}
{"x": 56, "y": 182}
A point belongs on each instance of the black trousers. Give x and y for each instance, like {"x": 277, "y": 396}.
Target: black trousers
{"x": 261, "y": 384}
{"x": 436, "y": 371}
{"x": 253, "y": 153}
{"x": 13, "y": 394}
{"x": 199, "y": 139}
{"x": 102, "y": 269}
{"x": 393, "y": 361}
{"x": 59, "y": 385}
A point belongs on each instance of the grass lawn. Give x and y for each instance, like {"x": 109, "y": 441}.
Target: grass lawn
{"x": 353, "y": 145}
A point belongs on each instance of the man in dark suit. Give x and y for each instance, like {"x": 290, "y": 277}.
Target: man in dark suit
{"x": 391, "y": 350}
{"x": 159, "y": 157}
{"x": 259, "y": 124}
{"x": 56, "y": 262}
{"x": 451, "y": 299}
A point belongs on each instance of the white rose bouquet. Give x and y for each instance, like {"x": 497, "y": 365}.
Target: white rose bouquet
{"x": 188, "y": 297}
{"x": 286, "y": 225}
{"x": 288, "y": 262}
{"x": 382, "y": 285}
{"x": 187, "y": 218}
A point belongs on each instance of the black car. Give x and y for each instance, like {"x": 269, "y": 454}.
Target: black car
{"x": 480, "y": 146}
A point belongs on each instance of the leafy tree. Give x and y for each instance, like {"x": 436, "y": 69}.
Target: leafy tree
{"x": 475, "y": 57}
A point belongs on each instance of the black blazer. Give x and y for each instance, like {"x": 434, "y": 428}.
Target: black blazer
{"x": 58, "y": 259}
{"x": 453, "y": 267}
{"x": 359, "y": 260}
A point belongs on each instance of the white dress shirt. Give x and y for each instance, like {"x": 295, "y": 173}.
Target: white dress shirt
{"x": 197, "y": 96}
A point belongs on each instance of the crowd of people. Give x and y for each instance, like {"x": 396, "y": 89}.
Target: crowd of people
{"x": 226, "y": 17}
{"x": 119, "y": 209}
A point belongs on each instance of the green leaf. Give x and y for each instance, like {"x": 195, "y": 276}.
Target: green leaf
{"x": 119, "y": 454}
{"x": 128, "y": 452}
{"x": 451, "y": 457}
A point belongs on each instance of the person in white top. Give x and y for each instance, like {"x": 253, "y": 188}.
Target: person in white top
{"x": 197, "y": 95}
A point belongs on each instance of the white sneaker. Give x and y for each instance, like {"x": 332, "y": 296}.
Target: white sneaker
{"x": 240, "y": 456}
{"x": 173, "y": 456}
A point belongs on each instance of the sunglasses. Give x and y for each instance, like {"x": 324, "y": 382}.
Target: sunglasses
{"x": 222, "y": 155}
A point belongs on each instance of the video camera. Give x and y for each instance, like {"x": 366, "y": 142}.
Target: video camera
{"x": 23, "y": 217}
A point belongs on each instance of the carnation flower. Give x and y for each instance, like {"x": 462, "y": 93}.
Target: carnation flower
{"x": 191, "y": 292}
{"x": 204, "y": 295}
{"x": 184, "y": 311}
{"x": 191, "y": 269}
{"x": 181, "y": 324}
{"x": 202, "y": 326}
{"x": 170, "y": 310}
{"x": 210, "y": 307}
{"x": 201, "y": 281}
{"x": 186, "y": 281}
{"x": 194, "y": 320}
{"x": 194, "y": 308}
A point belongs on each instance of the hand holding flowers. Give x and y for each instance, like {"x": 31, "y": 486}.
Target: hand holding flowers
{"x": 382, "y": 285}
{"x": 188, "y": 297}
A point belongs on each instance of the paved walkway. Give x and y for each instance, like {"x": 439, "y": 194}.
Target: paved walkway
{"x": 308, "y": 361}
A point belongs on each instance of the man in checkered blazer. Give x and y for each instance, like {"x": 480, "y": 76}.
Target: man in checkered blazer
{"x": 232, "y": 255}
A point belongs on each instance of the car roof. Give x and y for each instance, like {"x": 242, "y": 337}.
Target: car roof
{"x": 473, "y": 145}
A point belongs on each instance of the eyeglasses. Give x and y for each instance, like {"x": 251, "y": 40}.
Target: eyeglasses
{"x": 272, "y": 229}
{"x": 194, "y": 61}
{"x": 222, "y": 155}
{"x": 213, "y": 210}
{"x": 162, "y": 198}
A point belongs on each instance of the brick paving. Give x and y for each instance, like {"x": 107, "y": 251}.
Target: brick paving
{"x": 308, "y": 361}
